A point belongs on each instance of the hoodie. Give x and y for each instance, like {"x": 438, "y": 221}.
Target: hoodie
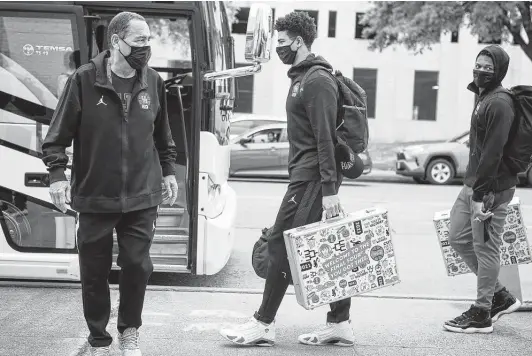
{"x": 311, "y": 121}
{"x": 491, "y": 123}
{"x": 119, "y": 159}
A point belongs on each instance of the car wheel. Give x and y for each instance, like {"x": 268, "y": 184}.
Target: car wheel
{"x": 440, "y": 171}
{"x": 419, "y": 180}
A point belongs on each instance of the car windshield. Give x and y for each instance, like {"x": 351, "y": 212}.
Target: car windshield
{"x": 463, "y": 136}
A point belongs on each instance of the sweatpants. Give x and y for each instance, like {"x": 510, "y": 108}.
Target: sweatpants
{"x": 135, "y": 232}
{"x": 478, "y": 243}
{"x": 302, "y": 205}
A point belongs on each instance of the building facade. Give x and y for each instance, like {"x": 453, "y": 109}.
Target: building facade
{"x": 410, "y": 97}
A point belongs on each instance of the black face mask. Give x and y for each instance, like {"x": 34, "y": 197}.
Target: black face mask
{"x": 482, "y": 79}
{"x": 286, "y": 54}
{"x": 138, "y": 57}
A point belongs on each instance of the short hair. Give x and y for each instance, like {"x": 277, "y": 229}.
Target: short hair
{"x": 298, "y": 23}
{"x": 119, "y": 25}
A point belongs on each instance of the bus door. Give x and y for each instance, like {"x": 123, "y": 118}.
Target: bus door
{"x": 172, "y": 45}
{"x": 40, "y": 46}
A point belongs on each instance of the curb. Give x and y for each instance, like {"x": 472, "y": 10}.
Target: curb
{"x": 526, "y": 306}
{"x": 378, "y": 177}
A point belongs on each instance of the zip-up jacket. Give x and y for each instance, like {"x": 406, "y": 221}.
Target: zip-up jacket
{"x": 119, "y": 160}
{"x": 311, "y": 124}
{"x": 491, "y": 123}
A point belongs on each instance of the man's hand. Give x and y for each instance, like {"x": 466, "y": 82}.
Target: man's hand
{"x": 170, "y": 194}
{"x": 478, "y": 212}
{"x": 60, "y": 193}
{"x": 331, "y": 207}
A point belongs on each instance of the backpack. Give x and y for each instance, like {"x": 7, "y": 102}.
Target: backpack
{"x": 260, "y": 257}
{"x": 518, "y": 149}
{"x": 352, "y": 128}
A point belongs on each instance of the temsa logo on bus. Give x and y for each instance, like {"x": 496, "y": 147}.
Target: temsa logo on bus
{"x": 29, "y": 49}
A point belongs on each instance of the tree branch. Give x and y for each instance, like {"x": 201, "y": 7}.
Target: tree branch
{"x": 524, "y": 9}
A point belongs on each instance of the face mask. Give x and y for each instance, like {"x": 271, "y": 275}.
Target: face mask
{"x": 138, "y": 57}
{"x": 482, "y": 79}
{"x": 286, "y": 54}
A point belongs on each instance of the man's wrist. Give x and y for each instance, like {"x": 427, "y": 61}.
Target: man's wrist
{"x": 477, "y": 196}
{"x": 328, "y": 189}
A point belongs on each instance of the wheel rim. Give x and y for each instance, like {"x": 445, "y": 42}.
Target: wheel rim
{"x": 440, "y": 172}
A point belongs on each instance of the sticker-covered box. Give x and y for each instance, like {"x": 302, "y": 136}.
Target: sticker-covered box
{"x": 515, "y": 248}
{"x": 341, "y": 257}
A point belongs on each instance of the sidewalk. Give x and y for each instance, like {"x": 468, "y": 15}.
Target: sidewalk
{"x": 49, "y": 322}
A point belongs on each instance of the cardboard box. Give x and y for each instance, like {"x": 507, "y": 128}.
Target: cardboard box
{"x": 341, "y": 257}
{"x": 515, "y": 248}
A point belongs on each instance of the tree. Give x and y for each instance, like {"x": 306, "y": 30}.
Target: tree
{"x": 176, "y": 32}
{"x": 419, "y": 25}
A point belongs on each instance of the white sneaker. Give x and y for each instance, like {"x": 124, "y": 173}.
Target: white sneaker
{"x": 100, "y": 351}
{"x": 128, "y": 342}
{"x": 340, "y": 334}
{"x": 252, "y": 333}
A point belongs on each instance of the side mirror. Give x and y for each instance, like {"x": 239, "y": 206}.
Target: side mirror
{"x": 259, "y": 40}
{"x": 259, "y": 34}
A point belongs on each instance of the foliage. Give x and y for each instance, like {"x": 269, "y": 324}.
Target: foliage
{"x": 419, "y": 25}
{"x": 176, "y": 32}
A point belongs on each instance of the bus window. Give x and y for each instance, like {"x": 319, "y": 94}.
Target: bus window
{"x": 38, "y": 51}
{"x": 34, "y": 64}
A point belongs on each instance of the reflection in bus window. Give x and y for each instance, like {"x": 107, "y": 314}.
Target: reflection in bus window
{"x": 28, "y": 224}
{"x": 33, "y": 60}
{"x": 71, "y": 62}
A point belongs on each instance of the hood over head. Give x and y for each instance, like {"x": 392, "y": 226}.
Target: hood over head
{"x": 310, "y": 61}
{"x": 501, "y": 61}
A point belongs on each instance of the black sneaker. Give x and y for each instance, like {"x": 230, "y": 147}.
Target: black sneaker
{"x": 475, "y": 320}
{"x": 503, "y": 303}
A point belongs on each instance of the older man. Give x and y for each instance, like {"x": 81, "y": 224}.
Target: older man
{"x": 114, "y": 109}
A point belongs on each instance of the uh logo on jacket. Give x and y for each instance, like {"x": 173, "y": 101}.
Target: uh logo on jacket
{"x": 143, "y": 99}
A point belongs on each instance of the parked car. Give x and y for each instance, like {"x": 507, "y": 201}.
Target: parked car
{"x": 263, "y": 152}
{"x": 241, "y": 123}
{"x": 440, "y": 162}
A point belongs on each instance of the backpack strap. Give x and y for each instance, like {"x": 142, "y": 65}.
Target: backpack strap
{"x": 311, "y": 71}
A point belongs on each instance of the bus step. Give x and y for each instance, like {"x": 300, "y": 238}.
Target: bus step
{"x": 170, "y": 239}
{"x": 171, "y": 230}
{"x": 170, "y": 216}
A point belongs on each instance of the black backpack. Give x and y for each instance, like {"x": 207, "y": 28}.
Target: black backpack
{"x": 260, "y": 257}
{"x": 518, "y": 149}
{"x": 352, "y": 128}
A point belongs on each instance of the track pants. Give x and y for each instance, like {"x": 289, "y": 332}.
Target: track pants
{"x": 479, "y": 243}
{"x": 301, "y": 205}
{"x": 135, "y": 232}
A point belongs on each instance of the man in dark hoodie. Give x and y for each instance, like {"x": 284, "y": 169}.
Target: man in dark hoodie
{"x": 114, "y": 109}
{"x": 479, "y": 213}
{"x": 314, "y": 183}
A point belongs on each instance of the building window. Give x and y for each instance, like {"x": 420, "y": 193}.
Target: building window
{"x": 313, "y": 14}
{"x": 242, "y": 16}
{"x": 454, "y": 37}
{"x": 367, "y": 79}
{"x": 332, "y": 23}
{"x": 244, "y": 92}
{"x": 425, "y": 95}
{"x": 359, "y": 28}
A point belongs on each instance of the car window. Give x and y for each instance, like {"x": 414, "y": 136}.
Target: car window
{"x": 284, "y": 136}
{"x": 240, "y": 127}
{"x": 266, "y": 136}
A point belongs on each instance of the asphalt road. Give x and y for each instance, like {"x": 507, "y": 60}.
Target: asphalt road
{"x": 411, "y": 209}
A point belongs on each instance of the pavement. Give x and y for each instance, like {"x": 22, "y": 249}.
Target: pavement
{"x": 182, "y": 313}
{"x": 187, "y": 323}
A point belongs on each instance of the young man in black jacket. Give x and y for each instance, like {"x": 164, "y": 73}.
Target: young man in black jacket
{"x": 479, "y": 213}
{"x": 114, "y": 109}
{"x": 314, "y": 183}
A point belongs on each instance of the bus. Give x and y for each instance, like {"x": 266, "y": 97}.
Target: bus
{"x": 41, "y": 44}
